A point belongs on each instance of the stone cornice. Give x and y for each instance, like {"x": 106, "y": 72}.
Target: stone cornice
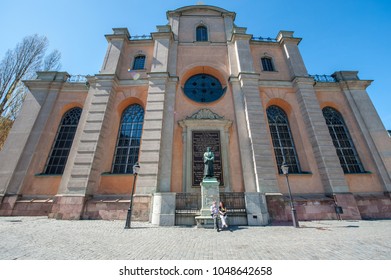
{"x": 104, "y": 80}
{"x": 197, "y": 43}
{"x": 327, "y": 86}
{"x": 240, "y": 36}
{"x": 110, "y": 37}
{"x": 75, "y": 87}
{"x": 131, "y": 82}
{"x": 248, "y": 79}
{"x": 248, "y": 76}
{"x": 181, "y": 11}
{"x": 303, "y": 80}
{"x": 164, "y": 32}
{"x": 355, "y": 84}
{"x": 287, "y": 36}
{"x": 43, "y": 85}
{"x": 280, "y": 84}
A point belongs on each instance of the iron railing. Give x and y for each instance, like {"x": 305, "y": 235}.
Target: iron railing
{"x": 186, "y": 203}
{"x": 324, "y": 78}
{"x": 233, "y": 201}
{"x": 140, "y": 37}
{"x": 77, "y": 79}
{"x": 264, "y": 39}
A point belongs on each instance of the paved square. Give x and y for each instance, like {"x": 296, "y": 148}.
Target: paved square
{"x": 40, "y": 238}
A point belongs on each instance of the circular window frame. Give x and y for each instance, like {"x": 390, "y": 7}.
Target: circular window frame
{"x": 197, "y": 90}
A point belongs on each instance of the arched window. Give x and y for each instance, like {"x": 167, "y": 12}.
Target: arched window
{"x": 63, "y": 142}
{"x": 348, "y": 157}
{"x": 128, "y": 141}
{"x": 139, "y": 62}
{"x": 202, "y": 34}
{"x": 267, "y": 64}
{"x": 284, "y": 148}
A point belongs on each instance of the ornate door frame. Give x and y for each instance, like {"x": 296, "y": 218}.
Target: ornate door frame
{"x": 204, "y": 119}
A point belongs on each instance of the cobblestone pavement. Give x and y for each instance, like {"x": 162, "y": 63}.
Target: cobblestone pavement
{"x": 40, "y": 238}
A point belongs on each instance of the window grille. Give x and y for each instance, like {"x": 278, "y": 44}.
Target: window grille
{"x": 284, "y": 148}
{"x": 203, "y": 88}
{"x": 62, "y": 144}
{"x": 128, "y": 141}
{"x": 348, "y": 157}
{"x": 267, "y": 64}
{"x": 139, "y": 62}
{"x": 202, "y": 34}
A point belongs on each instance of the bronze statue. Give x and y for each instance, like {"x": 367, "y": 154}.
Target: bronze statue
{"x": 208, "y": 163}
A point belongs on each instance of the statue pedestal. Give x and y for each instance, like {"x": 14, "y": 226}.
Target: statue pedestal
{"x": 209, "y": 193}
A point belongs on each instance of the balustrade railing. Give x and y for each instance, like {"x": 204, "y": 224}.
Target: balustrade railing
{"x": 323, "y": 78}
{"x": 264, "y": 39}
{"x": 140, "y": 37}
{"x": 77, "y": 79}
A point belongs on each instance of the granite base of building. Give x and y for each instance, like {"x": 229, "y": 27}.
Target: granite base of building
{"x": 260, "y": 209}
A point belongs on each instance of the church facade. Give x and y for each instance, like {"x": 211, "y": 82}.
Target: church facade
{"x": 200, "y": 81}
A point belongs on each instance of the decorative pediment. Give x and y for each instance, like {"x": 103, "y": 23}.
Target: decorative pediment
{"x": 204, "y": 114}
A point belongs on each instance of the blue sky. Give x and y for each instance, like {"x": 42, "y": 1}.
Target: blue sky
{"x": 337, "y": 35}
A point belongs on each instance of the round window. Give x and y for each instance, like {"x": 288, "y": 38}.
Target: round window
{"x": 203, "y": 88}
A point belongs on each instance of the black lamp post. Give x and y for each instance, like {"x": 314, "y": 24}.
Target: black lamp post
{"x": 285, "y": 171}
{"x": 136, "y": 168}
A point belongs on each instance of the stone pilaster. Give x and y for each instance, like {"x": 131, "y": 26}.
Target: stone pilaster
{"x": 241, "y": 43}
{"x": 166, "y": 151}
{"x": 369, "y": 122}
{"x": 258, "y": 170}
{"x": 292, "y": 55}
{"x": 328, "y": 164}
{"x": 262, "y": 155}
{"x": 116, "y": 42}
{"x": 81, "y": 174}
{"x": 158, "y": 132}
{"x": 151, "y": 140}
{"x": 16, "y": 156}
{"x": 248, "y": 169}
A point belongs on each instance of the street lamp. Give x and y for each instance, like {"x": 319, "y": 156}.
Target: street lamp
{"x": 285, "y": 171}
{"x": 136, "y": 168}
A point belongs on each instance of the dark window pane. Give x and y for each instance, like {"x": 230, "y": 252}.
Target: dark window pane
{"x": 282, "y": 140}
{"x": 267, "y": 64}
{"x": 348, "y": 156}
{"x": 202, "y": 33}
{"x": 139, "y": 62}
{"x": 128, "y": 142}
{"x": 63, "y": 142}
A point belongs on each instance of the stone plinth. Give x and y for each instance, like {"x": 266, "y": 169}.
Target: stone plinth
{"x": 163, "y": 209}
{"x": 256, "y": 208}
{"x": 209, "y": 193}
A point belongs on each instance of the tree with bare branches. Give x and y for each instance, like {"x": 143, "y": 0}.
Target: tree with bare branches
{"x": 19, "y": 64}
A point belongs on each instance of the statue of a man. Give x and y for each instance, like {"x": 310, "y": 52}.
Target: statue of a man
{"x": 208, "y": 163}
